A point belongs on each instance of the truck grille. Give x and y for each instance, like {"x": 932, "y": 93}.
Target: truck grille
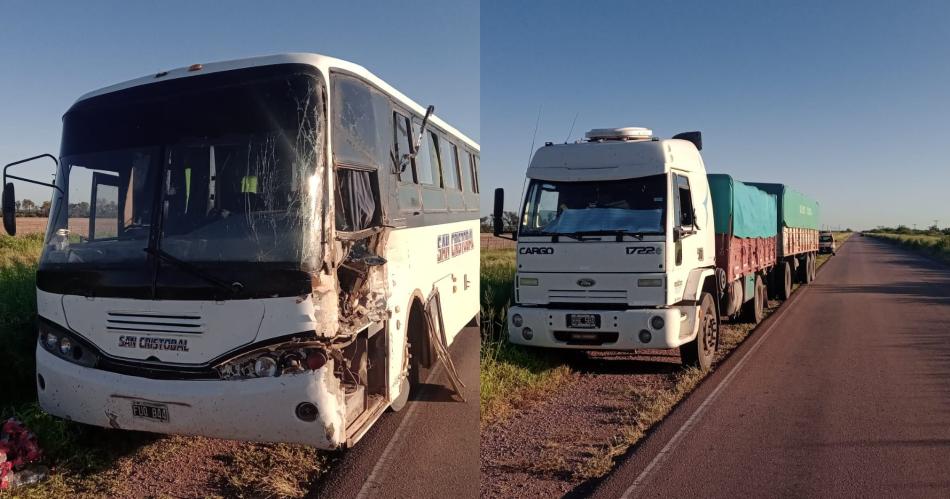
{"x": 146, "y": 322}
{"x": 588, "y": 295}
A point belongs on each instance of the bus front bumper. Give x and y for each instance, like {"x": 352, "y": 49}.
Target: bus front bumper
{"x": 629, "y": 329}
{"x": 261, "y": 409}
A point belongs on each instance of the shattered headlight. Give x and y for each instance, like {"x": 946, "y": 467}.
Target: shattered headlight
{"x": 62, "y": 343}
{"x": 275, "y": 360}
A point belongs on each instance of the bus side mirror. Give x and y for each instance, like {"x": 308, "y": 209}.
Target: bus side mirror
{"x": 499, "y": 211}
{"x": 9, "y": 208}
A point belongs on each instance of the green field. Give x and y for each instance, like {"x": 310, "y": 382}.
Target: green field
{"x": 935, "y": 245}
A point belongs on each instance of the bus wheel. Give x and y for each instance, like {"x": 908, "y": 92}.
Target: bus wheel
{"x": 700, "y": 352}
{"x": 754, "y": 309}
{"x": 786, "y": 290}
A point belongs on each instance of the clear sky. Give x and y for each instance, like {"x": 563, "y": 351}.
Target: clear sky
{"x": 53, "y": 52}
{"x": 849, "y": 103}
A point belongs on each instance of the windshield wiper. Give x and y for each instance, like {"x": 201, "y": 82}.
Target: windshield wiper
{"x": 234, "y": 288}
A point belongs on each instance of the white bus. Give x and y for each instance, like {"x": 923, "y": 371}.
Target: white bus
{"x": 269, "y": 249}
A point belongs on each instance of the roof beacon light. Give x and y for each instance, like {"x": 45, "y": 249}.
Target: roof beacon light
{"x": 619, "y": 134}
{"x": 195, "y": 67}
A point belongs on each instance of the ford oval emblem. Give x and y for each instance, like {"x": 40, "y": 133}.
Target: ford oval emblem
{"x": 586, "y": 283}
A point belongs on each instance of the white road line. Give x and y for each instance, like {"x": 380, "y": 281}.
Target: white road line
{"x": 695, "y": 417}
{"x": 373, "y": 481}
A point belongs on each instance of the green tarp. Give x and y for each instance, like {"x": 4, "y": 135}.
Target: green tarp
{"x": 752, "y": 211}
{"x": 796, "y": 209}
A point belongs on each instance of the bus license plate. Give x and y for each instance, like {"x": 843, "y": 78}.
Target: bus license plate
{"x": 150, "y": 411}
{"x": 583, "y": 321}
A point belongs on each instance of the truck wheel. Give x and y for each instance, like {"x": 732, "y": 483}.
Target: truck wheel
{"x": 699, "y": 352}
{"x": 754, "y": 310}
{"x": 786, "y": 290}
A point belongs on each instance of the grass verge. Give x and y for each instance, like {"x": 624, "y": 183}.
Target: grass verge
{"x": 933, "y": 245}
{"x": 509, "y": 375}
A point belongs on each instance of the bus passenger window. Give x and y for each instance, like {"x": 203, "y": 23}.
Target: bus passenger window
{"x": 450, "y": 165}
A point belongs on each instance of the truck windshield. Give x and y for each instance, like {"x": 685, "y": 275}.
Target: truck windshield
{"x": 635, "y": 206}
{"x": 211, "y": 169}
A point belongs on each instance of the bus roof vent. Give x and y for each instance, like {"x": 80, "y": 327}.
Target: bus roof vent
{"x": 619, "y": 134}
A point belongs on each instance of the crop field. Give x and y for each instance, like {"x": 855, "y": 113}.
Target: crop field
{"x": 91, "y": 461}
{"x": 514, "y": 378}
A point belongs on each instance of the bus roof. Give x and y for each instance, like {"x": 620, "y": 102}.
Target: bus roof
{"x": 324, "y": 63}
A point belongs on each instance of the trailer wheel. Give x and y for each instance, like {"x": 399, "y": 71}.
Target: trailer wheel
{"x": 786, "y": 290}
{"x": 809, "y": 268}
{"x": 754, "y": 310}
{"x": 700, "y": 352}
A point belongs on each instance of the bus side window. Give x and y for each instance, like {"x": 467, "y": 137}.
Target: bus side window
{"x": 450, "y": 170}
{"x": 356, "y": 206}
{"x": 403, "y": 147}
{"x": 473, "y": 164}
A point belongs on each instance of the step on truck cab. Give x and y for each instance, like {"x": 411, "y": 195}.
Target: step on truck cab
{"x": 617, "y": 247}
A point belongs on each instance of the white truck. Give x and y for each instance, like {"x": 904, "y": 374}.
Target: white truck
{"x": 617, "y": 247}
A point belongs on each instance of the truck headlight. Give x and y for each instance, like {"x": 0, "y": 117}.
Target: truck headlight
{"x": 657, "y": 322}
{"x": 650, "y": 283}
{"x": 517, "y": 320}
{"x": 528, "y": 281}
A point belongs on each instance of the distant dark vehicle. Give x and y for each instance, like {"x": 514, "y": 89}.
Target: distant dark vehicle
{"x": 826, "y": 242}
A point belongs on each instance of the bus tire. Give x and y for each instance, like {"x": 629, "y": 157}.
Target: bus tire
{"x": 785, "y": 292}
{"x": 701, "y": 351}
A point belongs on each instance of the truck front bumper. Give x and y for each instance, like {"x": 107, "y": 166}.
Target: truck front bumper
{"x": 629, "y": 329}
{"x": 261, "y": 409}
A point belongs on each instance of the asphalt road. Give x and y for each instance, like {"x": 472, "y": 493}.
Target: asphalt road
{"x": 844, "y": 392}
{"x": 429, "y": 449}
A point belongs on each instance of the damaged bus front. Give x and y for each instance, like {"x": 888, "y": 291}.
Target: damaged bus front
{"x": 200, "y": 277}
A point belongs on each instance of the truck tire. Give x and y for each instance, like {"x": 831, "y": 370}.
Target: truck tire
{"x": 785, "y": 291}
{"x": 754, "y": 310}
{"x": 700, "y": 352}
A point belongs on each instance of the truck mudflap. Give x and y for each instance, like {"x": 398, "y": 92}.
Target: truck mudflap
{"x": 306, "y": 408}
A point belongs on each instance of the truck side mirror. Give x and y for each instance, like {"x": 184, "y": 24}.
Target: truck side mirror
{"x": 677, "y": 233}
{"x": 9, "y": 208}
{"x": 497, "y": 215}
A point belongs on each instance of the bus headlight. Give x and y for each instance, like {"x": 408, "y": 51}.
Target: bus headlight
{"x": 65, "y": 346}
{"x": 265, "y": 367}
{"x": 50, "y": 340}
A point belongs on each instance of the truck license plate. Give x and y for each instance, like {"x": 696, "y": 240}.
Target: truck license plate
{"x": 150, "y": 410}
{"x": 583, "y": 321}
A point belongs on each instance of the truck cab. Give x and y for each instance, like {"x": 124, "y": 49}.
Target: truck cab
{"x": 616, "y": 247}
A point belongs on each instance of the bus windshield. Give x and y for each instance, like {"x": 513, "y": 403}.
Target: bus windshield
{"x": 631, "y": 205}
{"x": 207, "y": 169}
